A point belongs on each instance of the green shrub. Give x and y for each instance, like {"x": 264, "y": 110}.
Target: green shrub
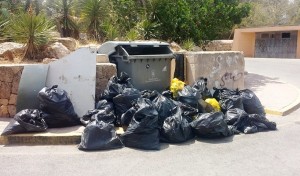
{"x": 33, "y": 30}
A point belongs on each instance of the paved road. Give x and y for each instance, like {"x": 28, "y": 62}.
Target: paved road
{"x": 269, "y": 153}
{"x": 284, "y": 70}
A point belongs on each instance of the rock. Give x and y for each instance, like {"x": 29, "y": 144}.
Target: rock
{"x": 48, "y": 60}
{"x": 197, "y": 48}
{"x": 11, "y": 50}
{"x": 219, "y": 45}
{"x": 13, "y": 99}
{"x": 10, "y": 46}
{"x": 56, "y": 50}
{"x": 12, "y": 110}
{"x": 175, "y": 47}
{"x": 4, "y": 102}
{"x": 4, "y": 111}
{"x": 68, "y": 42}
{"x": 8, "y": 55}
{"x": 5, "y": 89}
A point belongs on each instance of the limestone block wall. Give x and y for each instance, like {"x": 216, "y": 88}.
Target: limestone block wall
{"x": 10, "y": 76}
{"x": 104, "y": 71}
{"x": 219, "y": 45}
{"x": 9, "y": 83}
{"x": 223, "y": 69}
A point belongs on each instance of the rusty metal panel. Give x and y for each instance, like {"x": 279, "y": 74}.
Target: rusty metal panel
{"x": 76, "y": 74}
{"x": 33, "y": 79}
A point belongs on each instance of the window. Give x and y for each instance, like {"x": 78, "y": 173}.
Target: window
{"x": 264, "y": 36}
{"x": 286, "y": 35}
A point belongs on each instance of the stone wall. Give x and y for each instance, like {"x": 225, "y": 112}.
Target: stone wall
{"x": 103, "y": 73}
{"x": 9, "y": 84}
{"x": 223, "y": 69}
{"x": 10, "y": 76}
{"x": 219, "y": 45}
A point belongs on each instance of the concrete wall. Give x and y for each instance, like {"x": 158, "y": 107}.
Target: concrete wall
{"x": 10, "y": 76}
{"x": 222, "y": 69}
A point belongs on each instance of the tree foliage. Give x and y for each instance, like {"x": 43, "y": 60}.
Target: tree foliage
{"x": 272, "y": 13}
{"x": 94, "y": 13}
{"x": 198, "y": 19}
{"x": 183, "y": 21}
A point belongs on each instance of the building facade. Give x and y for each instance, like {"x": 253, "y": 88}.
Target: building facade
{"x": 268, "y": 42}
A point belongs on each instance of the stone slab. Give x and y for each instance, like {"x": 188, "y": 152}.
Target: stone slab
{"x": 76, "y": 74}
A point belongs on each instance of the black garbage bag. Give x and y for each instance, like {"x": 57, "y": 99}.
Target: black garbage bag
{"x": 201, "y": 86}
{"x": 176, "y": 129}
{"x": 149, "y": 94}
{"x": 167, "y": 94}
{"x": 223, "y": 93}
{"x": 57, "y": 108}
{"x": 99, "y": 135}
{"x": 232, "y": 115}
{"x": 26, "y": 121}
{"x": 231, "y": 102}
{"x": 164, "y": 107}
{"x": 143, "y": 130}
{"x": 127, "y": 116}
{"x": 191, "y": 96}
{"x": 115, "y": 86}
{"x": 59, "y": 120}
{"x": 99, "y": 115}
{"x": 105, "y": 105}
{"x": 188, "y": 112}
{"x": 251, "y": 102}
{"x": 123, "y": 102}
{"x": 211, "y": 125}
{"x": 254, "y": 123}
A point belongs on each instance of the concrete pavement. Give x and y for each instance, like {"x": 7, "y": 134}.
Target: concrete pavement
{"x": 277, "y": 97}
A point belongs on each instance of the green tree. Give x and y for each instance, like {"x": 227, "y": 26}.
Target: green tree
{"x": 198, "y": 20}
{"x": 62, "y": 12}
{"x": 175, "y": 20}
{"x": 94, "y": 13}
{"x": 31, "y": 29}
{"x": 216, "y": 18}
{"x": 271, "y": 13}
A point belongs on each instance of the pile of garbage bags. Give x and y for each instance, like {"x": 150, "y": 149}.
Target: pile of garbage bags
{"x": 56, "y": 111}
{"x": 148, "y": 117}
{"x": 174, "y": 116}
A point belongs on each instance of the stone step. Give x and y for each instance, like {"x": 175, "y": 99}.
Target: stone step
{"x": 54, "y": 136}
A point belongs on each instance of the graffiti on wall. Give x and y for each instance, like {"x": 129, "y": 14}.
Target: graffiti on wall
{"x": 232, "y": 77}
{"x": 232, "y": 74}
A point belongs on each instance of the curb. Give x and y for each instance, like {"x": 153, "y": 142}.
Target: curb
{"x": 47, "y": 138}
{"x": 287, "y": 109}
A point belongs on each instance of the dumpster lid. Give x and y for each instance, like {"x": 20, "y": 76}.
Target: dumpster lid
{"x": 110, "y": 47}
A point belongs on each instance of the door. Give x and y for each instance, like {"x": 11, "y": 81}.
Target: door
{"x": 273, "y": 45}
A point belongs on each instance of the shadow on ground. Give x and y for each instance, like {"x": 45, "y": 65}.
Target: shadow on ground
{"x": 216, "y": 140}
{"x": 254, "y": 81}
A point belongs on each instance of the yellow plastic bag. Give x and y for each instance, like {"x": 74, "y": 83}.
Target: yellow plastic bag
{"x": 176, "y": 85}
{"x": 214, "y": 103}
